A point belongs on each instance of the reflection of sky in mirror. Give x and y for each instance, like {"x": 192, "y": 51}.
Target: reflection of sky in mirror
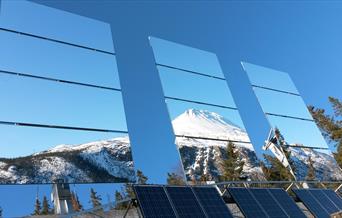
{"x": 22, "y": 141}
{"x": 39, "y": 101}
{"x": 299, "y": 131}
{"x": 25, "y": 54}
{"x": 282, "y": 103}
{"x": 269, "y": 78}
{"x": 51, "y": 23}
{"x": 180, "y": 84}
{"x": 177, "y": 108}
{"x": 184, "y": 57}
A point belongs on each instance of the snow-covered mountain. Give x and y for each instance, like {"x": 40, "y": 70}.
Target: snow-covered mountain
{"x": 107, "y": 160}
{"x": 204, "y": 157}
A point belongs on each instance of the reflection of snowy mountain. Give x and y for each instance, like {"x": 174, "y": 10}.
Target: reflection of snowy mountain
{"x": 111, "y": 160}
{"x": 102, "y": 161}
{"x": 326, "y": 167}
{"x": 208, "y": 124}
{"x": 204, "y": 157}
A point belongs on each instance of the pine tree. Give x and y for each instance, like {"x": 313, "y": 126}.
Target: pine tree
{"x": 331, "y": 126}
{"x": 311, "y": 175}
{"x": 174, "y": 179}
{"x": 76, "y": 205}
{"x": 232, "y": 166}
{"x": 95, "y": 199}
{"x": 46, "y": 206}
{"x": 37, "y": 207}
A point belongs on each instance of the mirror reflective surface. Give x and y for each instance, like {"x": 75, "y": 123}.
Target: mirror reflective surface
{"x": 178, "y": 56}
{"x": 295, "y": 140}
{"x": 69, "y": 63}
{"x": 46, "y": 22}
{"x": 62, "y": 114}
{"x": 204, "y": 116}
{"x": 280, "y": 103}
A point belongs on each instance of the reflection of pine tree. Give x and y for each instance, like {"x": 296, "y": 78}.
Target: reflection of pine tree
{"x": 37, "y": 207}
{"x": 274, "y": 169}
{"x": 331, "y": 126}
{"x": 0, "y": 212}
{"x": 119, "y": 197}
{"x": 95, "y": 199}
{"x": 175, "y": 179}
{"x": 76, "y": 204}
{"x": 232, "y": 166}
{"x": 46, "y": 206}
{"x": 311, "y": 175}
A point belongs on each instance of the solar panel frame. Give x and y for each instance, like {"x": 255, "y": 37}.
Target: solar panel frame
{"x": 324, "y": 200}
{"x": 286, "y": 202}
{"x": 185, "y": 202}
{"x": 246, "y": 202}
{"x": 334, "y": 197}
{"x": 211, "y": 201}
{"x": 151, "y": 207}
{"x": 311, "y": 203}
{"x": 268, "y": 203}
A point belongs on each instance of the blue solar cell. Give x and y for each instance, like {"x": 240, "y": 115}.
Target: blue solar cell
{"x": 212, "y": 202}
{"x": 153, "y": 201}
{"x": 185, "y": 202}
{"x": 311, "y": 203}
{"x": 247, "y": 203}
{"x": 287, "y": 203}
{"x": 333, "y": 197}
{"x": 268, "y": 203}
{"x": 324, "y": 200}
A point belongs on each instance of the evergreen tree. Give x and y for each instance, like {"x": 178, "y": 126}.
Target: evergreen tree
{"x": 232, "y": 166}
{"x": 37, "y": 207}
{"x": 76, "y": 205}
{"x": 274, "y": 169}
{"x": 46, "y": 206}
{"x": 311, "y": 175}
{"x": 0, "y": 212}
{"x": 175, "y": 179}
{"x": 95, "y": 199}
{"x": 331, "y": 126}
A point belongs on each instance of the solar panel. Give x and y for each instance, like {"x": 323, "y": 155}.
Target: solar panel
{"x": 212, "y": 202}
{"x": 324, "y": 200}
{"x": 311, "y": 203}
{"x": 333, "y": 197}
{"x": 184, "y": 201}
{"x": 153, "y": 201}
{"x": 247, "y": 203}
{"x": 286, "y": 202}
{"x": 269, "y": 204}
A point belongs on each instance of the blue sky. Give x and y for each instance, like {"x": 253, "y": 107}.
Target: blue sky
{"x": 300, "y": 38}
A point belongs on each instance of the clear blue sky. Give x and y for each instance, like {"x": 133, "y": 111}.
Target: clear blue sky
{"x": 301, "y": 38}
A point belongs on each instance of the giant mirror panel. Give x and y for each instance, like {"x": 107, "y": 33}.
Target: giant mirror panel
{"x": 287, "y": 113}
{"x": 62, "y": 114}
{"x": 203, "y": 113}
